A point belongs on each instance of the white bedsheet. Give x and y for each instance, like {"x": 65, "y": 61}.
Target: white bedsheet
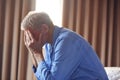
{"x": 113, "y": 73}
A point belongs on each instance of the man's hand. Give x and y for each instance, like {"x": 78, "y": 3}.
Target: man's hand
{"x": 34, "y": 47}
{"x": 30, "y": 42}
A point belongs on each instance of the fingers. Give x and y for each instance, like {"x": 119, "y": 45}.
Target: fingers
{"x": 30, "y": 35}
{"x": 27, "y": 38}
{"x": 29, "y": 41}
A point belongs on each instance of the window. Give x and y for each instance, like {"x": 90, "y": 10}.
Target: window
{"x": 53, "y": 8}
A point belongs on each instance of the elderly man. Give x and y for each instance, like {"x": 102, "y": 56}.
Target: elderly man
{"x": 67, "y": 55}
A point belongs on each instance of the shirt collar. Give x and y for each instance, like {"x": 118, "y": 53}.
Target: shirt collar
{"x": 55, "y": 34}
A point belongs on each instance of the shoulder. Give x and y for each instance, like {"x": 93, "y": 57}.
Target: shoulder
{"x": 68, "y": 35}
{"x": 68, "y": 38}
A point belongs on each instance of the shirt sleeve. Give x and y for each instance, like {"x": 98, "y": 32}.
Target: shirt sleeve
{"x": 65, "y": 61}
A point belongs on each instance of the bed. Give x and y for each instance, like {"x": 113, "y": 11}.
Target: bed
{"x": 113, "y": 73}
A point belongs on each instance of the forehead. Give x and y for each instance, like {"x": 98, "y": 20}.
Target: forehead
{"x": 34, "y": 32}
{"x": 32, "y": 29}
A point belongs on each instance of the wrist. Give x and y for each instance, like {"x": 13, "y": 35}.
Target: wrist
{"x": 34, "y": 62}
{"x": 39, "y": 57}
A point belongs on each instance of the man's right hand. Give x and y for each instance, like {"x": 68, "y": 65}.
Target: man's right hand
{"x": 34, "y": 47}
{"x": 30, "y": 51}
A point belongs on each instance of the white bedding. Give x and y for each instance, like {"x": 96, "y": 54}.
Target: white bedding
{"x": 113, "y": 73}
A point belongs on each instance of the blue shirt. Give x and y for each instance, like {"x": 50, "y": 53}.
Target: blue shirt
{"x": 69, "y": 57}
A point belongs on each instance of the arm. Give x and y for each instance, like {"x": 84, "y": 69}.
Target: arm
{"x": 64, "y": 63}
{"x": 36, "y": 55}
{"x": 35, "y": 64}
{"x": 29, "y": 50}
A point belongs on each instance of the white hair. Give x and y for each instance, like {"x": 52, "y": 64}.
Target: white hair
{"x": 35, "y": 19}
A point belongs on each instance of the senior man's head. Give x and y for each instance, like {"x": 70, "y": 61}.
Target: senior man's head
{"x": 38, "y": 24}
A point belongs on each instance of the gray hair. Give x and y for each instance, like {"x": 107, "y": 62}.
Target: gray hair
{"x": 35, "y": 19}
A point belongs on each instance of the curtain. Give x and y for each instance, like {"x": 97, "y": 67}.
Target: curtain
{"x": 98, "y": 21}
{"x": 15, "y": 63}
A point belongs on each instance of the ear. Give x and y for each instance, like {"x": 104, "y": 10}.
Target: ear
{"x": 44, "y": 28}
